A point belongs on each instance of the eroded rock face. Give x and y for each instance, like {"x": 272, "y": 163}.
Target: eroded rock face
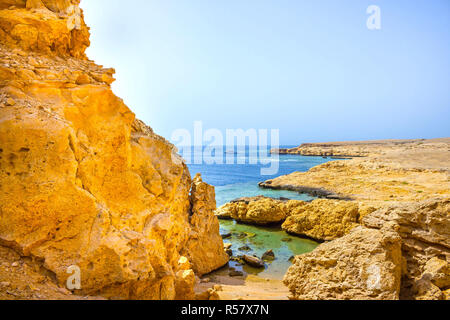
{"x": 406, "y": 244}
{"x": 323, "y": 219}
{"x": 82, "y": 182}
{"x": 205, "y": 246}
{"x": 259, "y": 210}
{"x": 46, "y": 26}
{"x": 365, "y": 264}
{"x": 425, "y": 230}
{"x": 320, "y": 219}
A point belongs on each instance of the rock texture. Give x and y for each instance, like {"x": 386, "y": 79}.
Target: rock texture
{"x": 323, "y": 219}
{"x": 365, "y": 264}
{"x": 82, "y": 181}
{"x": 22, "y": 279}
{"x": 205, "y": 247}
{"x": 258, "y": 210}
{"x": 406, "y": 244}
{"x": 320, "y": 219}
{"x": 425, "y": 230}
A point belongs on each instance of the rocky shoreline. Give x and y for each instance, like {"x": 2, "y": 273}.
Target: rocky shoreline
{"x": 387, "y": 237}
{"x": 315, "y": 192}
{"x": 86, "y": 186}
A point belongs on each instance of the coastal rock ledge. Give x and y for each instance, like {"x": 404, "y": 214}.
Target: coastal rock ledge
{"x": 82, "y": 181}
{"x": 320, "y": 219}
{"x": 399, "y": 252}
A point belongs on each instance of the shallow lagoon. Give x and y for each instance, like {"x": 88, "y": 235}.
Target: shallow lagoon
{"x": 241, "y": 180}
{"x": 261, "y": 239}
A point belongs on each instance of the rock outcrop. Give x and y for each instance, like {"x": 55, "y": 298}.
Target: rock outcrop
{"x": 205, "y": 247}
{"x": 258, "y": 210}
{"x": 323, "y": 219}
{"x": 425, "y": 231}
{"x": 365, "y": 264}
{"x": 320, "y": 219}
{"x": 378, "y": 181}
{"x": 82, "y": 181}
{"x": 404, "y": 249}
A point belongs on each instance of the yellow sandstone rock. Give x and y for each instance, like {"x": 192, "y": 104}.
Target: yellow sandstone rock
{"x": 323, "y": 219}
{"x": 425, "y": 231}
{"x": 259, "y": 210}
{"x": 363, "y": 265}
{"x": 82, "y": 182}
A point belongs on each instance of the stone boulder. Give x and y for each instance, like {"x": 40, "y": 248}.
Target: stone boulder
{"x": 323, "y": 219}
{"x": 425, "y": 230}
{"x": 364, "y": 264}
{"x": 259, "y": 211}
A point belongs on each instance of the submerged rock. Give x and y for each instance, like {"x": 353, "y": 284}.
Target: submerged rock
{"x": 235, "y": 273}
{"x": 268, "y": 255}
{"x": 253, "y": 261}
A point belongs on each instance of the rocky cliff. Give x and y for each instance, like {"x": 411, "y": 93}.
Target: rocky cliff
{"x": 399, "y": 252}
{"x": 82, "y": 181}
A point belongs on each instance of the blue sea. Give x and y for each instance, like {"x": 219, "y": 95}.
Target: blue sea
{"x": 241, "y": 180}
{"x": 233, "y": 181}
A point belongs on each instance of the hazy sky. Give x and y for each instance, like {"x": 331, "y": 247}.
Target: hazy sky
{"x": 309, "y": 68}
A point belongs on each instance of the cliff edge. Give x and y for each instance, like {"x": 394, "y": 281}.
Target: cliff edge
{"x": 84, "y": 183}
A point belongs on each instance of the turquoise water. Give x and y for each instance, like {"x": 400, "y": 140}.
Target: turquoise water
{"x": 233, "y": 191}
{"x": 261, "y": 239}
{"x": 233, "y": 181}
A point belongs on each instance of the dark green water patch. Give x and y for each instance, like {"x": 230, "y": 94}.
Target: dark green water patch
{"x": 255, "y": 240}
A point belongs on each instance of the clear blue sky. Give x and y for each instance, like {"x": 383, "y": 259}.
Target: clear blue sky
{"x": 309, "y": 68}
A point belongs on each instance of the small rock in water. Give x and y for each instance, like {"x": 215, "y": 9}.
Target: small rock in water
{"x": 268, "y": 255}
{"x": 226, "y": 235}
{"x": 241, "y": 235}
{"x": 235, "y": 273}
{"x": 291, "y": 259}
{"x": 245, "y": 248}
{"x": 205, "y": 280}
{"x": 227, "y": 245}
{"x": 253, "y": 261}
{"x": 229, "y": 252}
